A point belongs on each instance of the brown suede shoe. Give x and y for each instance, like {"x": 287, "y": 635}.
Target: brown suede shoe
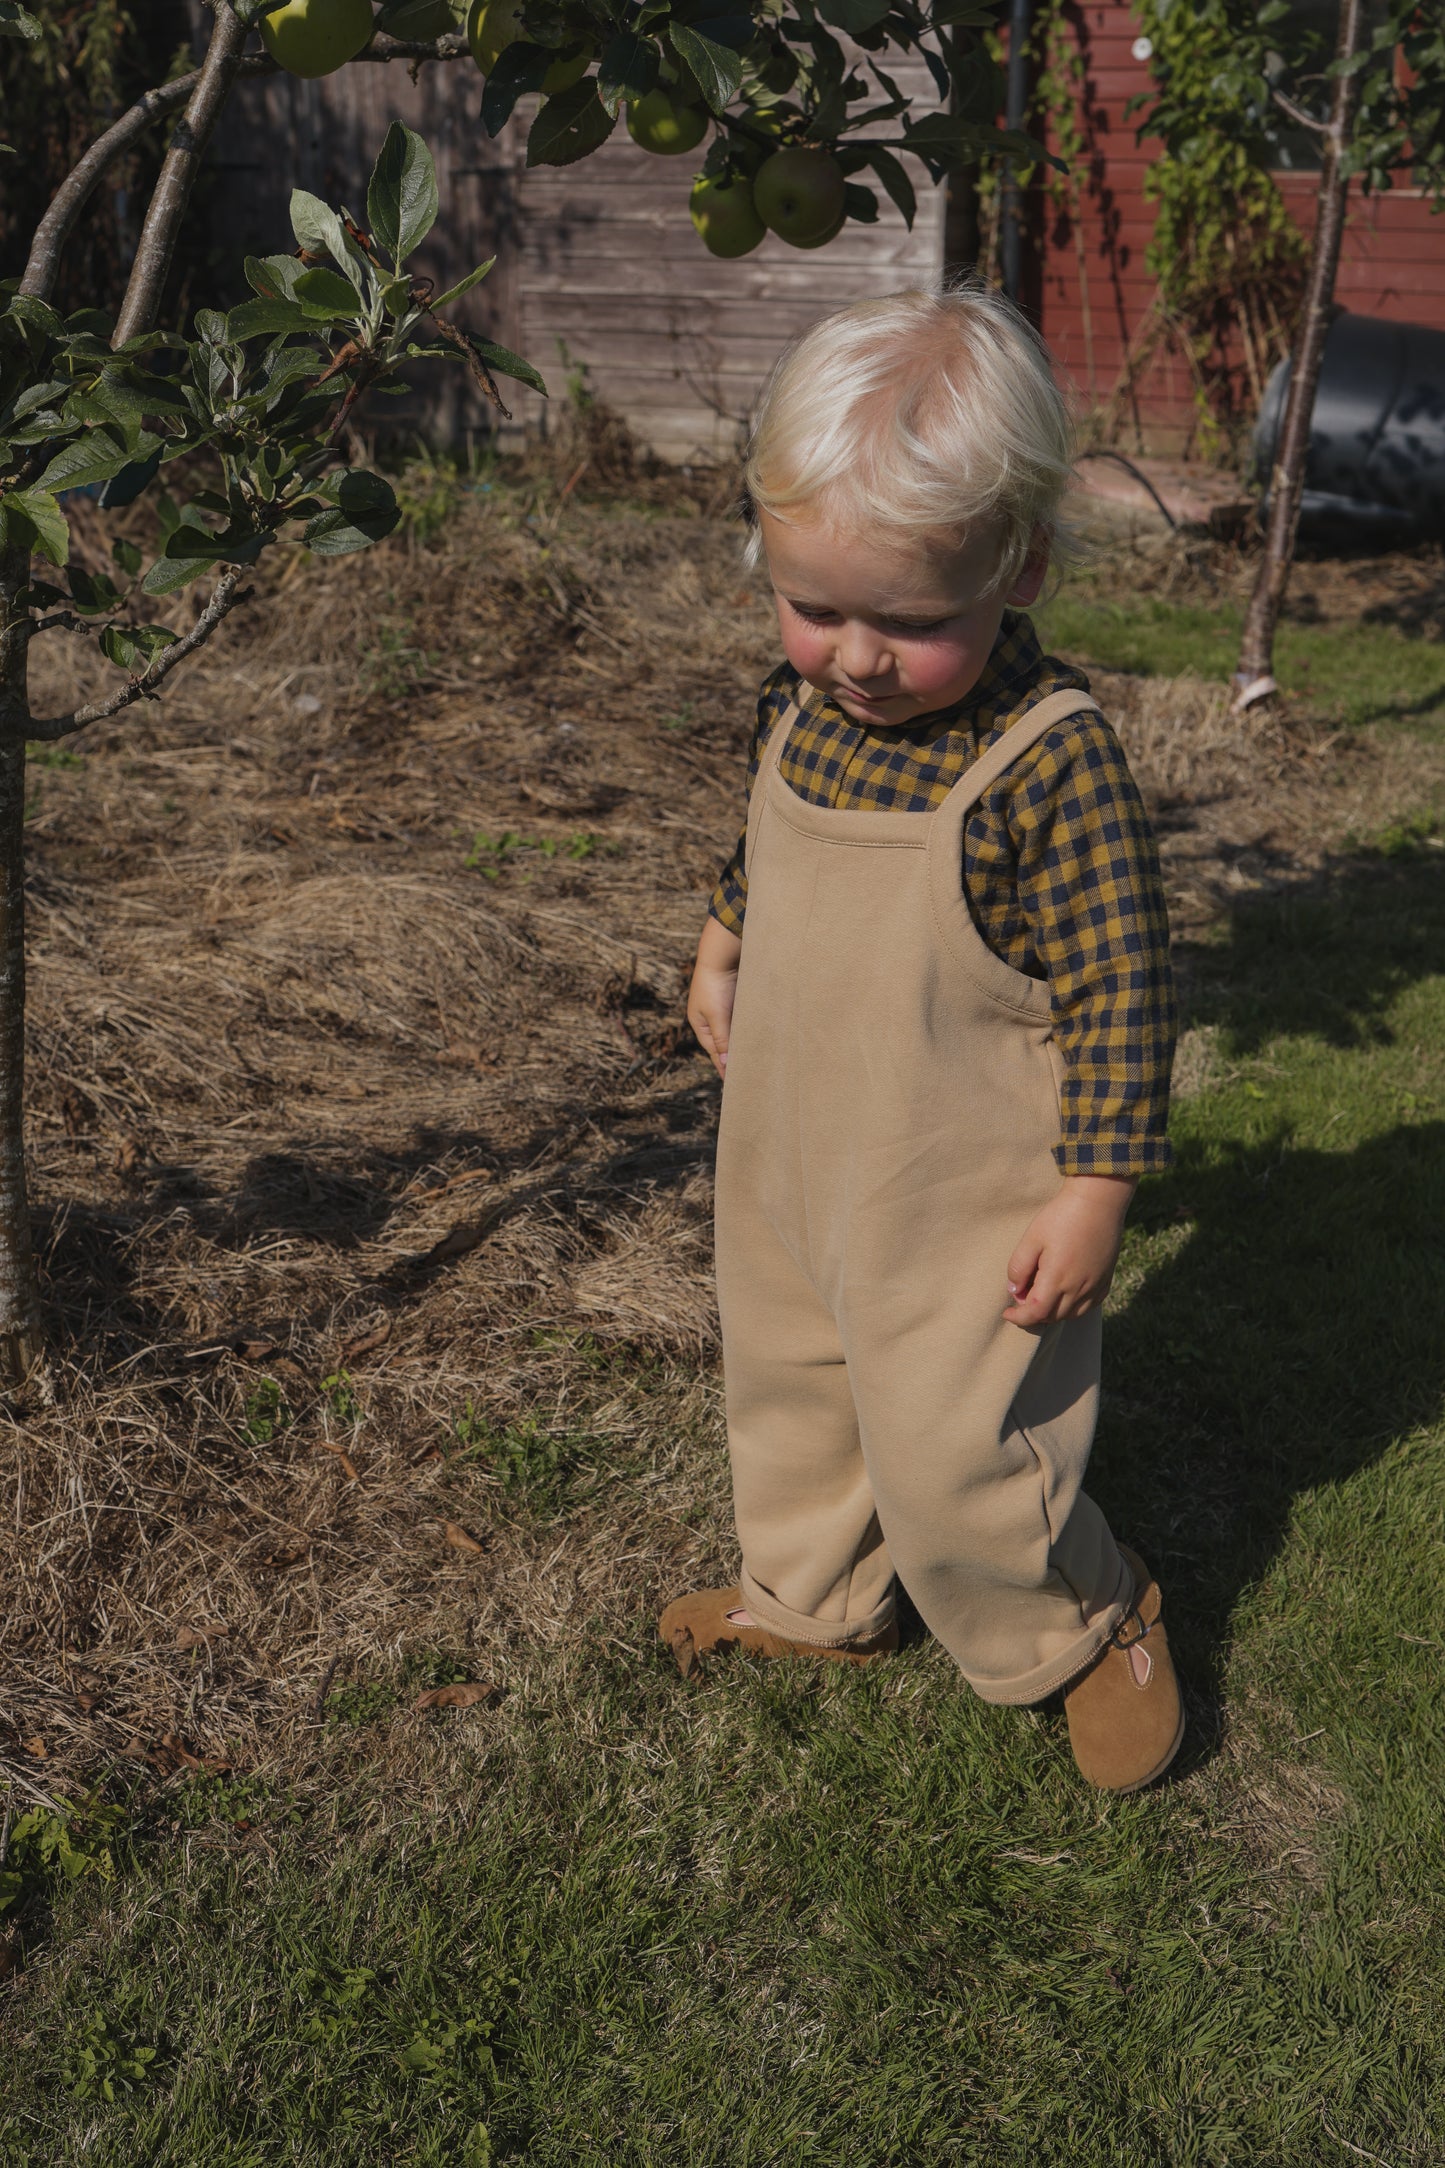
{"x": 697, "y": 1625}
{"x": 1125, "y": 1716}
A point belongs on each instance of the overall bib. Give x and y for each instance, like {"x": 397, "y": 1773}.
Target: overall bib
{"x": 888, "y": 1118}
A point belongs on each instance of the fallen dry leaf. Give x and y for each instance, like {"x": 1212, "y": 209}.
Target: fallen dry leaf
{"x": 173, "y": 1744}
{"x": 253, "y": 1343}
{"x": 288, "y": 1555}
{"x": 86, "y": 1702}
{"x": 365, "y": 1342}
{"x": 454, "y": 1697}
{"x": 340, "y": 1452}
{"x": 199, "y": 1637}
{"x": 253, "y": 1347}
{"x": 459, "y": 1540}
{"x": 128, "y": 1155}
{"x": 37, "y": 1747}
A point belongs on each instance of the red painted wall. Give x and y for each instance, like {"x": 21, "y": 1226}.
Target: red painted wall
{"x": 1092, "y": 302}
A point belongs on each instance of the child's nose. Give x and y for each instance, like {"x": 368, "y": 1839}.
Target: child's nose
{"x": 862, "y": 652}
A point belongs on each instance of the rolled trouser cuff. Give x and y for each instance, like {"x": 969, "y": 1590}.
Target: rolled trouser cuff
{"x": 817, "y": 1633}
{"x": 1057, "y": 1670}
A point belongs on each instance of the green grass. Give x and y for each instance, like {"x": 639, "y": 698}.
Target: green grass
{"x": 1363, "y": 673}
{"x": 790, "y": 1916}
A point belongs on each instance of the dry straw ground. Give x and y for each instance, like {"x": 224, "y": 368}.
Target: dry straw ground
{"x": 371, "y": 1152}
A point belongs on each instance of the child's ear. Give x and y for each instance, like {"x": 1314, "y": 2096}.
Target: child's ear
{"x": 1029, "y": 584}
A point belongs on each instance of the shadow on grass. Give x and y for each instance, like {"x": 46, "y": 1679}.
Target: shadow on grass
{"x": 1300, "y": 1327}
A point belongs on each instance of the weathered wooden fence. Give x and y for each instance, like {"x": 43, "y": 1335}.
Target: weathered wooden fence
{"x": 598, "y": 260}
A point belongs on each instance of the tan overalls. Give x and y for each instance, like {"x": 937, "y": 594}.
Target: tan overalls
{"x": 888, "y": 1118}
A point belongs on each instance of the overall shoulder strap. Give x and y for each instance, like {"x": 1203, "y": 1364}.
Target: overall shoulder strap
{"x": 779, "y": 735}
{"x": 1027, "y": 731}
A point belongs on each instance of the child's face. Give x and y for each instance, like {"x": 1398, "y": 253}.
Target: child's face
{"x": 889, "y": 634}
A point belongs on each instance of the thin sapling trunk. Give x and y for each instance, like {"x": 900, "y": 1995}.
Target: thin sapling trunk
{"x": 1254, "y": 677}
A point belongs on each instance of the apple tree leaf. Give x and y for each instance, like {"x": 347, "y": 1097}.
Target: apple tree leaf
{"x": 321, "y": 293}
{"x": 250, "y": 318}
{"x": 93, "y": 593}
{"x": 95, "y": 457}
{"x": 361, "y": 510}
{"x": 127, "y": 645}
{"x": 853, "y": 16}
{"x": 963, "y": 15}
{"x": 274, "y": 277}
{"x": 506, "y": 363}
{"x": 133, "y": 478}
{"x": 320, "y": 232}
{"x": 521, "y": 67}
{"x": 30, "y": 519}
{"x": 570, "y": 126}
{"x": 719, "y": 73}
{"x": 891, "y": 173}
{"x": 629, "y": 69}
{"x": 401, "y": 196}
{"x": 463, "y": 286}
{"x": 169, "y": 573}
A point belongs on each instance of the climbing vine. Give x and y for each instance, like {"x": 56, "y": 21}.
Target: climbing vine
{"x": 1228, "y": 257}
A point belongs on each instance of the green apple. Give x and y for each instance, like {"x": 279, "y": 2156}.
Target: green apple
{"x": 799, "y": 194}
{"x": 424, "y": 19}
{"x": 821, "y": 240}
{"x": 724, "y": 215}
{"x": 316, "y": 37}
{"x": 493, "y": 25}
{"x": 656, "y": 124}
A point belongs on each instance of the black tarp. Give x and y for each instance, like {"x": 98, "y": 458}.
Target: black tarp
{"x": 1376, "y": 466}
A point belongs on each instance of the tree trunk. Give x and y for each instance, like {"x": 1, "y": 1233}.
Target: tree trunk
{"x": 1254, "y": 676}
{"x": 20, "y": 1338}
{"x": 20, "y": 1343}
{"x": 178, "y": 175}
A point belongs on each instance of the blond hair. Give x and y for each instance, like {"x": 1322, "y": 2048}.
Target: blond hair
{"x": 913, "y": 417}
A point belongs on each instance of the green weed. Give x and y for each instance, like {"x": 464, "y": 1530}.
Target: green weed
{"x": 340, "y": 1397}
{"x": 1405, "y": 838}
{"x": 266, "y": 1414}
{"x": 98, "y": 2064}
{"x": 364, "y": 1702}
{"x": 48, "y": 1847}
{"x": 394, "y": 667}
{"x": 489, "y": 854}
{"x": 533, "y": 1464}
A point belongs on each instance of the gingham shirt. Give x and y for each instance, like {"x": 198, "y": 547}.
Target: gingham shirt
{"x": 1059, "y": 867}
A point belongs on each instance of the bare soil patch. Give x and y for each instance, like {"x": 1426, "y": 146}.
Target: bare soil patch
{"x": 371, "y": 1150}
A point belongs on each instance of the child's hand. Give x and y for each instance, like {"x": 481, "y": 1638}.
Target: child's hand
{"x": 1063, "y": 1263}
{"x": 713, "y": 990}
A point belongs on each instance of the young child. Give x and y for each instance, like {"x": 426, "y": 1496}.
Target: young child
{"x": 935, "y": 979}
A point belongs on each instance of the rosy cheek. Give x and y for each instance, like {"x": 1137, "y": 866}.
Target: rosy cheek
{"x": 803, "y": 644}
{"x": 938, "y": 669}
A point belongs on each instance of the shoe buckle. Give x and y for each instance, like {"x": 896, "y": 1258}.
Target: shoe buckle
{"x": 1122, "y": 1637}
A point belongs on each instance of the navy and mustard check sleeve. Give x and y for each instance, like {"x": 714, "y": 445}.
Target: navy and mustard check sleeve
{"x": 1060, "y": 871}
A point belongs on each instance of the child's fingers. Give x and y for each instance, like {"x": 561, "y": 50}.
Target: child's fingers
{"x": 1038, "y": 1302}
{"x": 712, "y": 1035}
{"x": 1023, "y": 1266}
